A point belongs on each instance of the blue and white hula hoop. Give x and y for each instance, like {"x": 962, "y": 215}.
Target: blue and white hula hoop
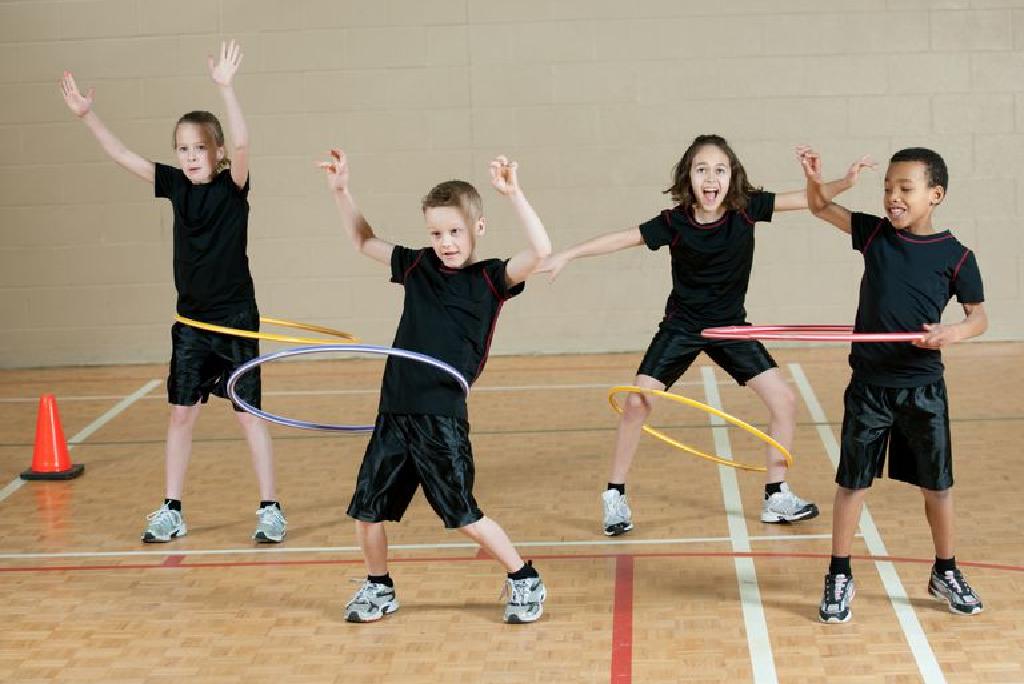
{"x": 361, "y": 348}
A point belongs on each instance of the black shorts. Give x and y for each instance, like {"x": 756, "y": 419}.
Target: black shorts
{"x": 406, "y": 451}
{"x": 202, "y": 361}
{"x": 913, "y": 422}
{"x": 672, "y": 352}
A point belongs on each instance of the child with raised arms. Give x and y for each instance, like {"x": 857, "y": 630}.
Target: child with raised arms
{"x": 421, "y": 435}
{"x": 209, "y": 193}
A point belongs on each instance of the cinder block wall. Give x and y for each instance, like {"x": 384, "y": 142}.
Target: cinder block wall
{"x": 596, "y": 99}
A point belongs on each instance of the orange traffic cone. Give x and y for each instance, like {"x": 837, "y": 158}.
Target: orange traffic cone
{"x": 50, "y": 459}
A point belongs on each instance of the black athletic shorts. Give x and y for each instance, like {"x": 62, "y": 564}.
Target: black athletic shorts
{"x": 913, "y": 422}
{"x": 406, "y": 451}
{"x": 202, "y": 361}
{"x": 671, "y": 353}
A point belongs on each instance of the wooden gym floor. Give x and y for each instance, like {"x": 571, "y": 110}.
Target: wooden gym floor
{"x": 700, "y": 590}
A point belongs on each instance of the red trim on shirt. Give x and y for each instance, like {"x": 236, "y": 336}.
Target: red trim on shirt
{"x": 960, "y": 263}
{"x": 872, "y": 237}
{"x": 408, "y": 270}
{"x": 704, "y": 226}
{"x": 924, "y": 241}
{"x": 490, "y": 337}
{"x": 490, "y": 284}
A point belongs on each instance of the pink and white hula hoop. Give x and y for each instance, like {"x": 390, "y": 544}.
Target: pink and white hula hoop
{"x": 805, "y": 333}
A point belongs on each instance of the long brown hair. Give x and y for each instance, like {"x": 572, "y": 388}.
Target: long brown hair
{"x": 739, "y": 187}
{"x": 214, "y": 133}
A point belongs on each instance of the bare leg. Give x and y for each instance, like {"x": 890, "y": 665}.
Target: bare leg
{"x": 637, "y": 408}
{"x": 771, "y": 387}
{"x": 845, "y": 516}
{"x": 489, "y": 535}
{"x": 373, "y": 540}
{"x": 258, "y": 437}
{"x": 938, "y": 506}
{"x": 179, "y": 447}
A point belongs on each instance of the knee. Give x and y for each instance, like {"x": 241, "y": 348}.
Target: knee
{"x": 183, "y": 417}
{"x": 783, "y": 404}
{"x": 637, "y": 408}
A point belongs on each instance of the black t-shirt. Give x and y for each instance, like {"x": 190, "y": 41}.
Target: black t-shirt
{"x": 710, "y": 263}
{"x": 908, "y": 280}
{"x": 211, "y": 230}
{"x": 449, "y": 314}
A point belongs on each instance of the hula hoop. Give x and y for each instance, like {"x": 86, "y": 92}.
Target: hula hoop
{"x": 362, "y": 348}
{"x": 805, "y": 333}
{"x": 255, "y": 335}
{"x": 678, "y": 398}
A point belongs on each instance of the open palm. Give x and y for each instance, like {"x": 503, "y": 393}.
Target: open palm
{"x": 223, "y": 70}
{"x": 79, "y": 104}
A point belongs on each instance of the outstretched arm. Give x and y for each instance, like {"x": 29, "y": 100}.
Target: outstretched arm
{"x": 359, "y": 231}
{"x": 81, "y": 106}
{"x": 800, "y": 199}
{"x": 522, "y": 265}
{"x": 223, "y": 72}
{"x": 975, "y": 323}
{"x": 602, "y": 244}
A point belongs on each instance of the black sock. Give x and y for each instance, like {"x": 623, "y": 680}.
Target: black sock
{"x": 384, "y": 579}
{"x": 945, "y": 564}
{"x": 264, "y": 504}
{"x": 173, "y": 504}
{"x": 620, "y": 488}
{"x": 840, "y": 565}
{"x": 524, "y": 572}
{"x": 772, "y": 488}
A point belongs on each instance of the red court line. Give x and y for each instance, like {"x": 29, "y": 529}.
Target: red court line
{"x": 622, "y": 622}
{"x": 769, "y": 555}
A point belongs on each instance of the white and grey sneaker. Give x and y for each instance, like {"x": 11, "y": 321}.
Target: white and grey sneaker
{"x": 164, "y": 525}
{"x": 372, "y": 602}
{"x": 784, "y": 506}
{"x": 271, "y": 525}
{"x": 525, "y": 600}
{"x": 618, "y": 519}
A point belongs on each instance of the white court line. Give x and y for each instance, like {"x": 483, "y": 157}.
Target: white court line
{"x": 761, "y": 659}
{"x": 16, "y": 484}
{"x": 912, "y": 630}
{"x": 347, "y": 392}
{"x": 404, "y": 547}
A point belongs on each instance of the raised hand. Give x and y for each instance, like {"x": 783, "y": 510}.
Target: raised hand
{"x": 337, "y": 171}
{"x": 79, "y": 104}
{"x": 865, "y": 162}
{"x": 223, "y": 70}
{"x": 503, "y": 176}
{"x": 810, "y": 161}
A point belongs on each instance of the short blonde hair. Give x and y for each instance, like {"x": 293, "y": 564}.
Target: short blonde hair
{"x": 458, "y": 194}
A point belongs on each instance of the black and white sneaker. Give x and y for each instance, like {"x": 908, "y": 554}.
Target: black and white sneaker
{"x": 618, "y": 519}
{"x": 835, "y": 602}
{"x": 785, "y": 506}
{"x": 951, "y": 587}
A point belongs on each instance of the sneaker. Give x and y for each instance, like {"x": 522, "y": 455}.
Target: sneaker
{"x": 784, "y": 506}
{"x": 525, "y": 600}
{"x": 835, "y": 603}
{"x": 164, "y": 525}
{"x": 372, "y": 602}
{"x": 618, "y": 519}
{"x": 271, "y": 525}
{"x": 952, "y": 588}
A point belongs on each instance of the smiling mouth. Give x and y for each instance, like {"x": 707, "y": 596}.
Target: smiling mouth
{"x": 710, "y": 195}
{"x": 897, "y": 212}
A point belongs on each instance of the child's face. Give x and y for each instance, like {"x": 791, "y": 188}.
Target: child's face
{"x": 907, "y": 197}
{"x": 710, "y": 174}
{"x": 451, "y": 235}
{"x": 197, "y": 156}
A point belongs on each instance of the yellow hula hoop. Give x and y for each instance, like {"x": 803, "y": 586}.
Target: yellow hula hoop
{"x": 678, "y": 398}
{"x": 252, "y": 334}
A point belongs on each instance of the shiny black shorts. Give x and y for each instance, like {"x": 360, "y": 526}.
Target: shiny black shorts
{"x": 202, "y": 361}
{"x": 671, "y": 353}
{"x": 911, "y": 422}
{"x": 406, "y": 451}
